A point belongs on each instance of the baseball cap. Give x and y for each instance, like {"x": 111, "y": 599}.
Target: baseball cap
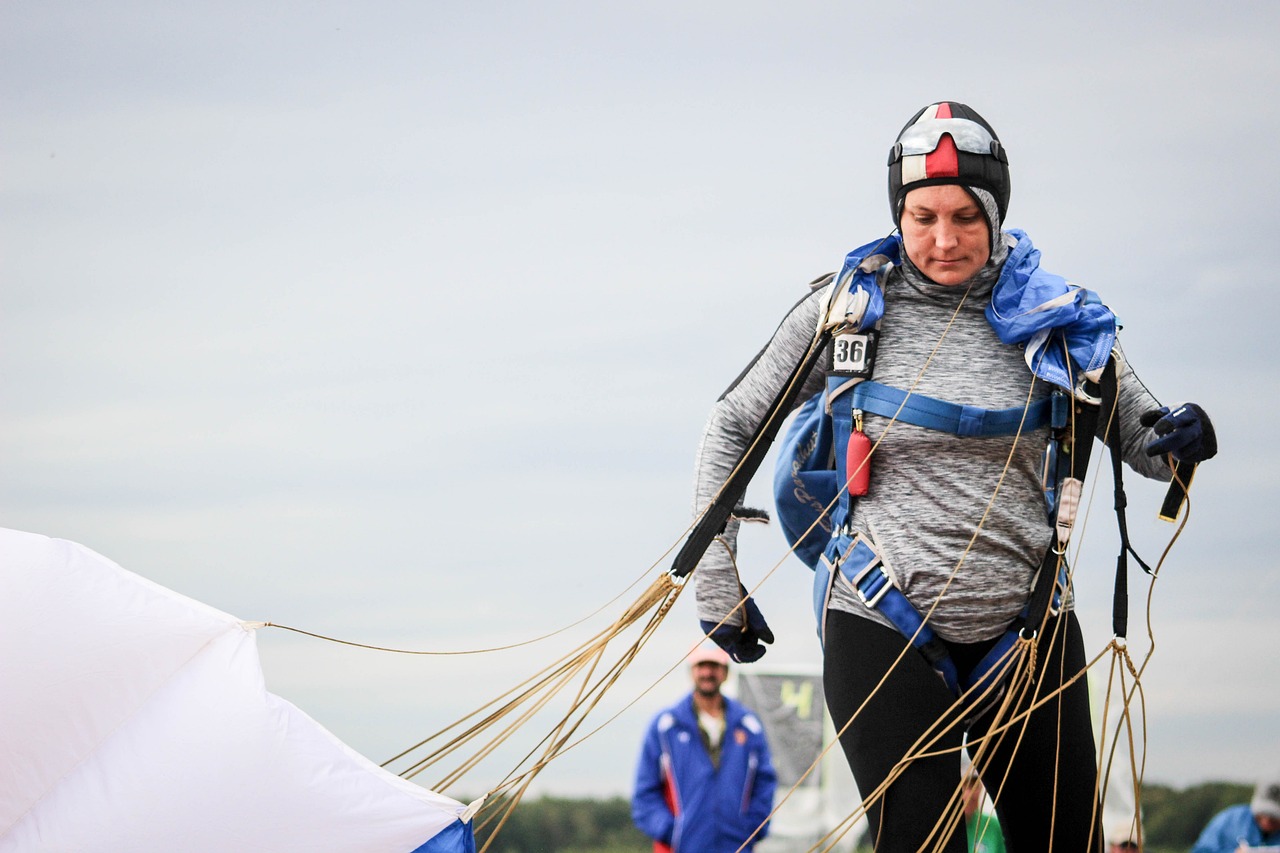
{"x": 709, "y": 654}
{"x": 1266, "y": 798}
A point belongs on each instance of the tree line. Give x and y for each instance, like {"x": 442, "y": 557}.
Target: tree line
{"x": 1172, "y": 819}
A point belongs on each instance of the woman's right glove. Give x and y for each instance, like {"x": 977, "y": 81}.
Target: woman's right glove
{"x": 742, "y": 642}
{"x": 1186, "y": 432}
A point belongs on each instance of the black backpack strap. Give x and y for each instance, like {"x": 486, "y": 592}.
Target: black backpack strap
{"x": 1120, "y": 600}
{"x": 1086, "y": 427}
{"x": 712, "y": 522}
{"x": 1081, "y": 448}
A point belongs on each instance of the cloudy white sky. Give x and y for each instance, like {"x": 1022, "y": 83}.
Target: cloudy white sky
{"x": 399, "y": 321}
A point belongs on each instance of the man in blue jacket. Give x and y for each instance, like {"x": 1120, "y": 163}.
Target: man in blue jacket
{"x": 704, "y": 783}
{"x": 1245, "y": 827}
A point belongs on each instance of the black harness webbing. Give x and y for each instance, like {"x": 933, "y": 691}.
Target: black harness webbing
{"x": 1177, "y": 494}
{"x": 1120, "y": 600}
{"x": 713, "y": 521}
{"x": 1081, "y": 448}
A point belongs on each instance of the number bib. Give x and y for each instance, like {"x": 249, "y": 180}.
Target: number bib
{"x": 854, "y": 353}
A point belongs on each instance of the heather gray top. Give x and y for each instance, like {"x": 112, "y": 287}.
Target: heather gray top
{"x": 929, "y": 489}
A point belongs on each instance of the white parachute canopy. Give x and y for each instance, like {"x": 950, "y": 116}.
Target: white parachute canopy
{"x": 133, "y": 718}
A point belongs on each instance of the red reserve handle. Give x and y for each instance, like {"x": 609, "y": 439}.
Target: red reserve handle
{"x": 858, "y": 463}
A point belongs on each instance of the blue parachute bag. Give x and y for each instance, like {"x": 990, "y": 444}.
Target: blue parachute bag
{"x": 804, "y": 480}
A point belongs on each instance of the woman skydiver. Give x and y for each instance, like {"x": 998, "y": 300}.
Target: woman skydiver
{"x": 952, "y": 314}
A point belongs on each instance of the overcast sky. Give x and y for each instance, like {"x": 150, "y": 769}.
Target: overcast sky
{"x": 399, "y": 321}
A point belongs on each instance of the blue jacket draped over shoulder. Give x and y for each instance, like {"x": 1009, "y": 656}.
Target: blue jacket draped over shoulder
{"x": 1027, "y": 305}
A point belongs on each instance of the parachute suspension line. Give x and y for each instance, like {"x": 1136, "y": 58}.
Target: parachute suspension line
{"x": 715, "y": 515}
{"x": 1021, "y": 649}
{"x": 1122, "y": 663}
{"x": 536, "y": 692}
{"x": 1021, "y": 658}
{"x": 838, "y": 833}
{"x": 584, "y": 703}
{"x": 1019, "y": 664}
{"x": 660, "y": 594}
{"x": 1121, "y": 657}
{"x": 458, "y": 652}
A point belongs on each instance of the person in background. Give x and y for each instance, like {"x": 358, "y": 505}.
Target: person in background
{"x": 704, "y": 782}
{"x": 1244, "y": 827}
{"x": 982, "y": 826}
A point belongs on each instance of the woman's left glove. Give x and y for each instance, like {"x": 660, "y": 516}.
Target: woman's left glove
{"x": 742, "y": 642}
{"x": 1185, "y": 431}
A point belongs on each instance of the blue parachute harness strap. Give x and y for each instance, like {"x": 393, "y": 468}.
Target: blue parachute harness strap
{"x": 931, "y": 413}
{"x": 714, "y": 518}
{"x": 877, "y": 588}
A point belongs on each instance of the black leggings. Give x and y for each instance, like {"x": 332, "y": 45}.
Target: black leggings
{"x": 1020, "y": 775}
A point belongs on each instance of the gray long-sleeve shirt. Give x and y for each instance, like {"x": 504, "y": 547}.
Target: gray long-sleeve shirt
{"x": 929, "y": 490}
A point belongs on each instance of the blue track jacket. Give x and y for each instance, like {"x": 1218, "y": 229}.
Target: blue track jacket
{"x": 684, "y": 804}
{"x": 1229, "y": 829}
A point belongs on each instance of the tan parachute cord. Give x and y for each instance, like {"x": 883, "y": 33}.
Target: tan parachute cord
{"x": 546, "y": 673}
{"x": 514, "y": 800}
{"x": 879, "y": 793}
{"x": 1120, "y": 651}
{"x": 813, "y": 345}
{"x": 562, "y": 745}
{"x": 662, "y": 596}
{"x": 937, "y": 600}
{"x": 669, "y": 670}
{"x": 1015, "y": 697}
{"x": 1120, "y": 655}
{"x": 564, "y": 730}
{"x": 1138, "y": 773}
{"x": 892, "y": 421}
{"x": 602, "y": 725}
{"x": 1030, "y": 653}
{"x": 598, "y": 690}
{"x": 502, "y": 648}
{"x": 1017, "y": 664}
{"x": 651, "y": 686}
{"x": 1101, "y": 776}
{"x": 1029, "y": 646}
{"x": 659, "y": 590}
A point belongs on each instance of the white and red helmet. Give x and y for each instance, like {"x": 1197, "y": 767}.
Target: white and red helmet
{"x": 948, "y": 143}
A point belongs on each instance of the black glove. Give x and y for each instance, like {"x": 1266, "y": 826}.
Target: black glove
{"x": 1186, "y": 432}
{"x": 742, "y": 642}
